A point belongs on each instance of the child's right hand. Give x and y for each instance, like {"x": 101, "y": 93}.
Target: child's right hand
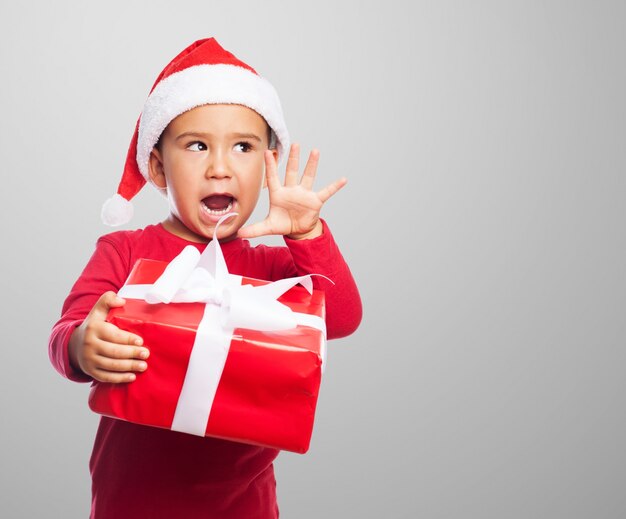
{"x": 104, "y": 351}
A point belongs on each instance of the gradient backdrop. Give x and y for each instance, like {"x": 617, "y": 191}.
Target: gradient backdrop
{"x": 484, "y": 144}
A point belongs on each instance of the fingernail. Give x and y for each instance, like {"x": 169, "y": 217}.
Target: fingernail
{"x": 139, "y": 342}
{"x": 144, "y": 354}
{"x": 132, "y": 377}
{"x": 143, "y": 366}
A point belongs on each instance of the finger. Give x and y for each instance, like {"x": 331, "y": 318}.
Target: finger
{"x": 293, "y": 165}
{"x": 271, "y": 171}
{"x": 119, "y": 365}
{"x": 256, "y": 229}
{"x": 111, "y": 333}
{"x": 310, "y": 170}
{"x": 331, "y": 189}
{"x": 107, "y": 301}
{"x": 112, "y": 377}
{"x": 120, "y": 351}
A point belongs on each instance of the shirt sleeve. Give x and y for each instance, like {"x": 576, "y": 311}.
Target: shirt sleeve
{"x": 106, "y": 270}
{"x": 321, "y": 255}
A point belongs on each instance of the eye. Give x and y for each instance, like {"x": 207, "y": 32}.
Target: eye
{"x": 243, "y": 147}
{"x": 197, "y": 146}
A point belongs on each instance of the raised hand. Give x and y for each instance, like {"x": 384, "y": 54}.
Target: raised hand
{"x": 294, "y": 207}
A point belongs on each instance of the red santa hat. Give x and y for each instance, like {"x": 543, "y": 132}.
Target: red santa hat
{"x": 203, "y": 73}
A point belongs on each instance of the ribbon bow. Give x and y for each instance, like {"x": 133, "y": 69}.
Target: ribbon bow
{"x": 192, "y": 277}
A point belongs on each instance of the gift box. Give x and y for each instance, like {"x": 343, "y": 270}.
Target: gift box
{"x": 218, "y": 365}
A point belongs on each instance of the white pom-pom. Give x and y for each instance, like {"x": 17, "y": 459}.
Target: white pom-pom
{"x": 116, "y": 211}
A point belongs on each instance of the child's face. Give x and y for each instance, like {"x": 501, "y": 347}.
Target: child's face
{"x": 211, "y": 159}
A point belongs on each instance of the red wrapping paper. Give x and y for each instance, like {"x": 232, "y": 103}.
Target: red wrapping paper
{"x": 268, "y": 390}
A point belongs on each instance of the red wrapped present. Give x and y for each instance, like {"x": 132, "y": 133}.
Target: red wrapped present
{"x": 243, "y": 362}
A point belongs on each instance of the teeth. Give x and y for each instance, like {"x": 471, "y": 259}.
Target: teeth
{"x": 217, "y": 212}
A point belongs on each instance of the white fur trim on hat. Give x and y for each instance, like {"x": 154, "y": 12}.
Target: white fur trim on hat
{"x": 207, "y": 84}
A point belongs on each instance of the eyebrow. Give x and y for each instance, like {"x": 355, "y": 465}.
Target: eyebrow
{"x": 203, "y": 135}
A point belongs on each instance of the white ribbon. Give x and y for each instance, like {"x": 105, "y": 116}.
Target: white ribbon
{"x": 192, "y": 277}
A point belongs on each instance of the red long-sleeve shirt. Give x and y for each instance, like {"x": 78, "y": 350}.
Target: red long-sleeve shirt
{"x": 140, "y": 471}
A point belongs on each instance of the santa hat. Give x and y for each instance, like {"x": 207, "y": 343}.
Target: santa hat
{"x": 203, "y": 73}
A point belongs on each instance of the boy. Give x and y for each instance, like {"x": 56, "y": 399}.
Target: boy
{"x": 209, "y": 129}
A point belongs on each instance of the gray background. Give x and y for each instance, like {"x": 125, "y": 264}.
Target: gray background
{"x": 483, "y": 220}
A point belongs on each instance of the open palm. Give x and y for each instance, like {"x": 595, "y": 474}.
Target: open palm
{"x": 294, "y": 207}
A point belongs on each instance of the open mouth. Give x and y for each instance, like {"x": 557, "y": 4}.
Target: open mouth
{"x": 217, "y": 205}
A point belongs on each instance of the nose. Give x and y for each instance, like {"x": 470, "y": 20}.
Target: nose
{"x": 218, "y": 165}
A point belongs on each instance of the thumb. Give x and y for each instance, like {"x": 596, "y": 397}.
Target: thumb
{"x": 256, "y": 229}
{"x": 107, "y": 301}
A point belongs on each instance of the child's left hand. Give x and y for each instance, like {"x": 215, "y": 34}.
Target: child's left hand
{"x": 294, "y": 207}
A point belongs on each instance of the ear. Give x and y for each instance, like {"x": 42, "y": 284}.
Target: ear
{"x": 155, "y": 169}
{"x": 275, "y": 154}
